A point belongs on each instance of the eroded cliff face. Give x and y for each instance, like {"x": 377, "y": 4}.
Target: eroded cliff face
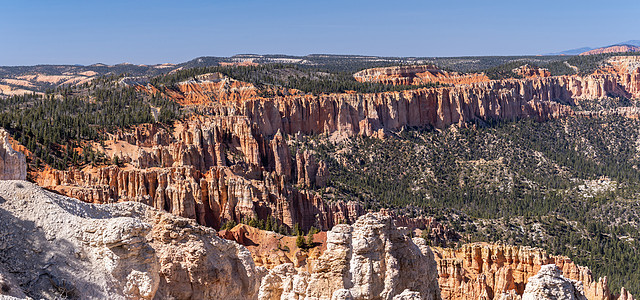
{"x": 487, "y": 271}
{"x": 211, "y": 170}
{"x": 416, "y": 75}
{"x": 372, "y": 259}
{"x": 213, "y": 87}
{"x": 57, "y": 247}
{"x": 269, "y": 249}
{"x": 529, "y": 71}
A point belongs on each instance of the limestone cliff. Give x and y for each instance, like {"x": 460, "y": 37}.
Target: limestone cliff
{"x": 489, "y": 271}
{"x": 57, "y": 247}
{"x": 372, "y": 259}
{"x": 211, "y": 170}
{"x": 416, "y": 75}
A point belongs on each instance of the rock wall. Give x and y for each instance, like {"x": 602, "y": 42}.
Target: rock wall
{"x": 372, "y": 259}
{"x": 416, "y": 75}
{"x": 488, "y": 271}
{"x": 57, "y": 247}
{"x": 13, "y": 164}
{"x": 211, "y": 170}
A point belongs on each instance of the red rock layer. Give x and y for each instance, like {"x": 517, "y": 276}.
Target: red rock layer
{"x": 211, "y": 88}
{"x": 612, "y": 49}
{"x": 416, "y": 75}
{"x": 269, "y": 249}
{"x": 486, "y": 271}
{"x": 528, "y": 71}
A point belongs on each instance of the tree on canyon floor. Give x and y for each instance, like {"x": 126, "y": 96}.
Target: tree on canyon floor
{"x": 568, "y": 186}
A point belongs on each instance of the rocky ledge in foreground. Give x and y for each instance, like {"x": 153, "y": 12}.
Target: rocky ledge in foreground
{"x": 53, "y": 246}
{"x": 371, "y": 259}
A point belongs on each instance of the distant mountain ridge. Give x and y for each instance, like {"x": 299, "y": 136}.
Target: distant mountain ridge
{"x": 613, "y": 49}
{"x": 572, "y": 51}
{"x": 578, "y": 51}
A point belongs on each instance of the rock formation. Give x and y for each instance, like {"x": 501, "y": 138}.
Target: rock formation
{"x": 211, "y": 87}
{"x": 549, "y": 284}
{"x": 416, "y": 75}
{"x": 211, "y": 170}
{"x": 13, "y": 164}
{"x": 529, "y": 71}
{"x": 55, "y": 247}
{"x": 492, "y": 271}
{"x": 612, "y": 49}
{"x": 269, "y": 249}
{"x": 372, "y": 259}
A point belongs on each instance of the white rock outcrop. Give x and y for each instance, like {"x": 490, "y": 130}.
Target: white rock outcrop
{"x": 57, "y": 247}
{"x": 550, "y": 284}
{"x": 13, "y": 165}
{"x": 371, "y": 259}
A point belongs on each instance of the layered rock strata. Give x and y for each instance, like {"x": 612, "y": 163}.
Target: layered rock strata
{"x": 372, "y": 259}
{"x": 612, "y": 49}
{"x": 209, "y": 169}
{"x": 529, "y": 71}
{"x": 416, "y": 75}
{"x": 486, "y": 271}
{"x": 57, "y": 247}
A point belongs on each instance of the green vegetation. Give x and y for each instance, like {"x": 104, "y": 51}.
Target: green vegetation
{"x": 288, "y": 76}
{"x": 53, "y": 125}
{"x": 568, "y": 186}
{"x": 504, "y": 71}
{"x": 585, "y": 65}
{"x": 270, "y": 224}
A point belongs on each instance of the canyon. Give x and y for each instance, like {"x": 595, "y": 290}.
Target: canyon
{"x": 131, "y": 250}
{"x": 236, "y": 161}
{"x": 146, "y": 223}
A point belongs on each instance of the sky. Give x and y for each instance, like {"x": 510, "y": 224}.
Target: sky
{"x": 151, "y": 32}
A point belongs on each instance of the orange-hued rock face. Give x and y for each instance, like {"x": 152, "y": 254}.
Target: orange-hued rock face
{"x": 208, "y": 169}
{"x": 528, "y": 71}
{"x": 612, "y": 49}
{"x": 487, "y": 271}
{"x": 416, "y": 75}
{"x": 270, "y": 249}
{"x": 209, "y": 88}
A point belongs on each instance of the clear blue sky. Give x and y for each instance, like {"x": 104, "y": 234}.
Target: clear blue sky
{"x": 149, "y": 32}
